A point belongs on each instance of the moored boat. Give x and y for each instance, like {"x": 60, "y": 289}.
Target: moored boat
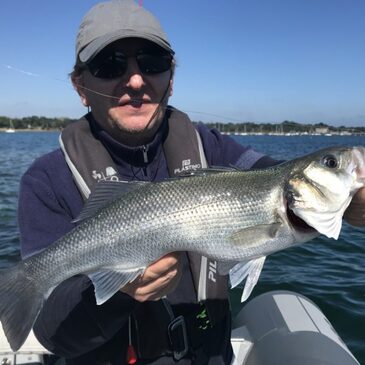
{"x": 11, "y": 128}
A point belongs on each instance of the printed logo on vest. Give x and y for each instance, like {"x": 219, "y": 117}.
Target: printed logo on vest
{"x": 187, "y": 166}
{"x": 109, "y": 175}
{"x": 212, "y": 271}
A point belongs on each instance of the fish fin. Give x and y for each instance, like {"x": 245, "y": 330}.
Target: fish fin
{"x": 20, "y": 303}
{"x": 205, "y": 171}
{"x": 108, "y": 282}
{"x": 247, "y": 270}
{"x": 256, "y": 235}
{"x": 105, "y": 192}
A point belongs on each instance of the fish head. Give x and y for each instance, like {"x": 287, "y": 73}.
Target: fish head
{"x": 322, "y": 184}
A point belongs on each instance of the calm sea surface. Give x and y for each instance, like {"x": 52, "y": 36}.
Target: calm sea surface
{"x": 331, "y": 273}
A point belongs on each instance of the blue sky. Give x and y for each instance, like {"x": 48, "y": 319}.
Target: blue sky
{"x": 238, "y": 60}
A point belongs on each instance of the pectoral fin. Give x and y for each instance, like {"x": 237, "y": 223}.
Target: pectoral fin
{"x": 256, "y": 235}
{"x": 108, "y": 282}
{"x": 247, "y": 270}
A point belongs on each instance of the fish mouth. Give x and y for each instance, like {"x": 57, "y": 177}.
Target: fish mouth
{"x": 298, "y": 223}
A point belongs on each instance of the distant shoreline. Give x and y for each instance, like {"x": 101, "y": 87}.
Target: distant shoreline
{"x": 340, "y": 134}
{"x": 287, "y": 127}
{"x": 4, "y": 130}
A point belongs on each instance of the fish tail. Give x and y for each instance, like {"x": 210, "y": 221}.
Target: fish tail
{"x": 20, "y": 302}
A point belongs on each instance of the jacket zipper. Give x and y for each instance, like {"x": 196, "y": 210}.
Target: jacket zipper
{"x": 145, "y": 159}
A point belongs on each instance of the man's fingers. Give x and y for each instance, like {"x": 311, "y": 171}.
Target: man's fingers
{"x": 153, "y": 289}
{"x": 159, "y": 279}
{"x": 161, "y": 267}
{"x": 355, "y": 213}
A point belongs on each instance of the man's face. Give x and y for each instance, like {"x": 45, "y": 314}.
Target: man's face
{"x": 127, "y": 105}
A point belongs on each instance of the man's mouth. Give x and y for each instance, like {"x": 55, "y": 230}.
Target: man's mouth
{"x": 135, "y": 103}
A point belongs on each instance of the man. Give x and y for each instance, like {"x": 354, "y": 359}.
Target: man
{"x": 124, "y": 75}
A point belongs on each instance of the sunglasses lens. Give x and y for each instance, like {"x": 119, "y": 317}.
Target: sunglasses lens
{"x": 108, "y": 66}
{"x": 150, "y": 64}
{"x": 112, "y": 64}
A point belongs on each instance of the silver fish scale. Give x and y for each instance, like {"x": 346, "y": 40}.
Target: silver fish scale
{"x": 198, "y": 214}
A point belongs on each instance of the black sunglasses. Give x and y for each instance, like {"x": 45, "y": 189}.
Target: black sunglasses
{"x": 111, "y": 63}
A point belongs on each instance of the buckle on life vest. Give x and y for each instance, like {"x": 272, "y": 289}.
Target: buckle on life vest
{"x": 178, "y": 337}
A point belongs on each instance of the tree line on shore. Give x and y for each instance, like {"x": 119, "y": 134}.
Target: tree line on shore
{"x": 283, "y": 127}
{"x": 44, "y": 123}
{"x": 34, "y": 122}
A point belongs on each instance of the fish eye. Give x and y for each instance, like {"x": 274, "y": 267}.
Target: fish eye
{"x": 330, "y": 161}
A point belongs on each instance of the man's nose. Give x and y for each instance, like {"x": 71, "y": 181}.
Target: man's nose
{"x": 134, "y": 75}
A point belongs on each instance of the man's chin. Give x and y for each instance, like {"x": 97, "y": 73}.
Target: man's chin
{"x": 136, "y": 125}
{"x": 136, "y": 128}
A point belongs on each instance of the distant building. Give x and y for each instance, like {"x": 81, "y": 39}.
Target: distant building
{"x": 322, "y": 130}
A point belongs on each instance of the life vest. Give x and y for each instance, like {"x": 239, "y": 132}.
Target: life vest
{"x": 183, "y": 149}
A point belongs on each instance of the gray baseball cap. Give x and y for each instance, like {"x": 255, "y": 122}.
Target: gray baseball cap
{"x": 109, "y": 21}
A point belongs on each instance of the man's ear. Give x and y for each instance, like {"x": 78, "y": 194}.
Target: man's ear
{"x": 78, "y": 83}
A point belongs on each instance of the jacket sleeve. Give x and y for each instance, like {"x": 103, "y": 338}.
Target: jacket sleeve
{"x": 70, "y": 322}
{"x": 42, "y": 218}
{"x": 222, "y": 150}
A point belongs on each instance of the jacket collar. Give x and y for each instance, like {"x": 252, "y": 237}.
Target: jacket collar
{"x": 122, "y": 154}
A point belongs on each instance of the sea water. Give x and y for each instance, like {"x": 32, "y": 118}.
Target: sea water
{"x": 329, "y": 272}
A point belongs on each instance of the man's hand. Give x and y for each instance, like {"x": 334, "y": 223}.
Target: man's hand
{"x": 159, "y": 279}
{"x": 355, "y": 213}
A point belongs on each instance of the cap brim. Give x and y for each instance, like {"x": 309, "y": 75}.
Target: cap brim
{"x": 95, "y": 46}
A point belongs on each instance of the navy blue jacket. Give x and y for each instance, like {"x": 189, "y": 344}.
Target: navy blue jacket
{"x": 71, "y": 324}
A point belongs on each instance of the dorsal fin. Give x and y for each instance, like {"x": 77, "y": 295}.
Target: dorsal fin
{"x": 105, "y": 192}
{"x": 207, "y": 171}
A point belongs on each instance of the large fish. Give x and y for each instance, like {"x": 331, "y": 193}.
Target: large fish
{"x": 234, "y": 217}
